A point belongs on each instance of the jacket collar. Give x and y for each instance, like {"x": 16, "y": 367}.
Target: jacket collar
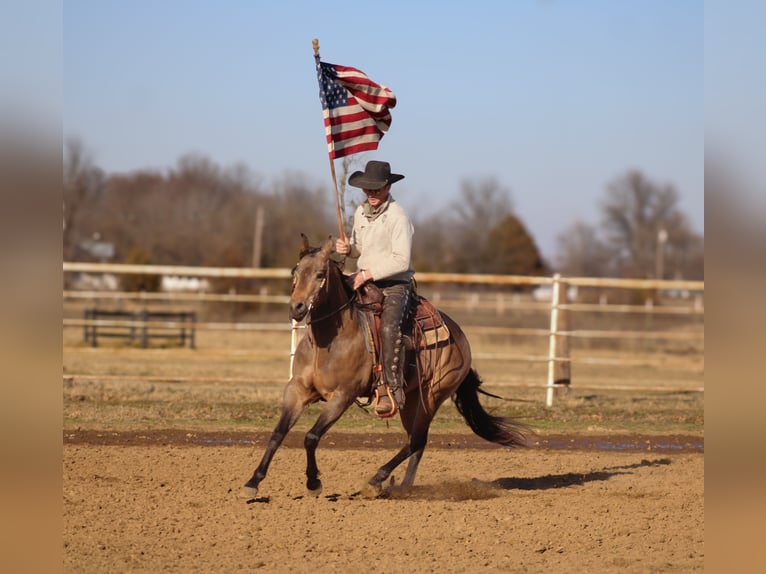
{"x": 373, "y": 213}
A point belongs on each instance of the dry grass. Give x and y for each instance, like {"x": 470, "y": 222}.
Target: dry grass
{"x": 235, "y": 380}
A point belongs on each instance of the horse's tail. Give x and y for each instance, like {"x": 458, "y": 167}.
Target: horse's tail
{"x": 500, "y": 430}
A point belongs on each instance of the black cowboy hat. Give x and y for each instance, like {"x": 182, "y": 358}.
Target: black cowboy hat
{"x": 376, "y": 174}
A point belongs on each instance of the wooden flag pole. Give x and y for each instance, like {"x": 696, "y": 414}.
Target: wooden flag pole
{"x": 341, "y": 231}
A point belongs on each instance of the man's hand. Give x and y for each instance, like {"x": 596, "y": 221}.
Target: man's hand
{"x": 356, "y": 280}
{"x": 342, "y": 246}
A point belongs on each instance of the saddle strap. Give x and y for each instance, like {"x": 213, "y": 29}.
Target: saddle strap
{"x": 371, "y": 304}
{"x": 371, "y": 323}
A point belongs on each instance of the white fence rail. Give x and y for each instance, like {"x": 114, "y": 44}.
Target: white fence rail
{"x": 558, "y": 357}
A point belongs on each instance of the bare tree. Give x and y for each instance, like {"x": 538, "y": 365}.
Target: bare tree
{"x": 481, "y": 206}
{"x": 294, "y": 207}
{"x": 83, "y": 185}
{"x": 432, "y": 248}
{"x": 637, "y": 214}
{"x": 581, "y": 253}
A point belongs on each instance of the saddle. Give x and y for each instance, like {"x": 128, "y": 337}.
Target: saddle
{"x": 422, "y": 327}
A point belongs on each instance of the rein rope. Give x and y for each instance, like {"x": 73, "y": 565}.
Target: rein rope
{"x": 311, "y": 320}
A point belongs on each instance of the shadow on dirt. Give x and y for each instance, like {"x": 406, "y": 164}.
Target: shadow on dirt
{"x": 572, "y": 478}
{"x": 474, "y": 489}
{"x": 481, "y": 490}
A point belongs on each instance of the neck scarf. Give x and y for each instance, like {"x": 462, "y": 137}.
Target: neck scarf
{"x": 372, "y": 213}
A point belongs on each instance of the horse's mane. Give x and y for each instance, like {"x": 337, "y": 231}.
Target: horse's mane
{"x": 346, "y": 287}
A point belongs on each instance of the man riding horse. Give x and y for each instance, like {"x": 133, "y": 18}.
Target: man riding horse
{"x": 381, "y": 245}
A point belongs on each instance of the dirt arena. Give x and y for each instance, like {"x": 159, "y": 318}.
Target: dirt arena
{"x": 154, "y": 502}
{"x": 153, "y": 469}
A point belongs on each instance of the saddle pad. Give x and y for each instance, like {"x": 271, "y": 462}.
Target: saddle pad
{"x": 435, "y": 336}
{"x": 429, "y": 322}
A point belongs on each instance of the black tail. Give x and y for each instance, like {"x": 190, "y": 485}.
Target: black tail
{"x": 500, "y": 430}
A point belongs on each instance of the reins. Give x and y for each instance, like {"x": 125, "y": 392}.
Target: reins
{"x": 311, "y": 320}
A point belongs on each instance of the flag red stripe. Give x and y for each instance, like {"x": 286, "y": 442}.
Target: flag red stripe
{"x": 350, "y": 133}
{"x": 360, "y": 147}
{"x": 357, "y": 117}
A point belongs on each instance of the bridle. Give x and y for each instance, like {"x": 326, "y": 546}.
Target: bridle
{"x": 311, "y": 320}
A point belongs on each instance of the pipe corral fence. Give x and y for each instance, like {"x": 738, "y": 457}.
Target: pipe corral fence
{"x": 475, "y": 295}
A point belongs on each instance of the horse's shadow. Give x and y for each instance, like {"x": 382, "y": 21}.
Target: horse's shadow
{"x": 477, "y": 489}
{"x": 572, "y": 478}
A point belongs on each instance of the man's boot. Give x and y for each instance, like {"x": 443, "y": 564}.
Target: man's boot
{"x": 385, "y": 403}
{"x": 390, "y": 390}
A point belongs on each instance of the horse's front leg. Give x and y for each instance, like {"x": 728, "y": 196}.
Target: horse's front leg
{"x": 292, "y": 407}
{"x": 335, "y": 407}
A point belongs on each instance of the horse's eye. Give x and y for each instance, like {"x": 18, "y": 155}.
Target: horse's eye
{"x": 321, "y": 275}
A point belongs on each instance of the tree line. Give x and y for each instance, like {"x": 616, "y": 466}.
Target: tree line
{"x": 199, "y": 213}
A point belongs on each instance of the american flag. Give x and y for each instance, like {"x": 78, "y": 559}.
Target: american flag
{"x": 356, "y": 109}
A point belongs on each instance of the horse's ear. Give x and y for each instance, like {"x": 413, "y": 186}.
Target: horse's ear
{"x": 305, "y": 248}
{"x": 328, "y": 246}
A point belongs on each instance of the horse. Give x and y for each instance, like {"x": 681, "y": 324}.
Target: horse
{"x": 332, "y": 363}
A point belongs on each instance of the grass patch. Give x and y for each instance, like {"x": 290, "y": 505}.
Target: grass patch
{"x": 603, "y": 413}
{"x": 227, "y": 385}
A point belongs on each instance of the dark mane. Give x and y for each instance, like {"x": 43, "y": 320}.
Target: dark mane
{"x": 346, "y": 287}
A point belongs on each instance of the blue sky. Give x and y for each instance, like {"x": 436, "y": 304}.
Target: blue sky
{"x": 552, "y": 98}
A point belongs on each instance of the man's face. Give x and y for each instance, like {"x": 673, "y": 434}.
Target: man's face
{"x": 377, "y": 197}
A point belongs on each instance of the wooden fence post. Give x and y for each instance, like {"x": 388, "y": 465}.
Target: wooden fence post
{"x": 562, "y": 369}
{"x": 559, "y": 373}
{"x": 293, "y": 344}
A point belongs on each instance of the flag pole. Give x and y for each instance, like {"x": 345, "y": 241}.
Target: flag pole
{"x": 341, "y": 231}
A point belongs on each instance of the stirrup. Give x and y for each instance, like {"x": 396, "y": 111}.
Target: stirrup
{"x": 383, "y": 391}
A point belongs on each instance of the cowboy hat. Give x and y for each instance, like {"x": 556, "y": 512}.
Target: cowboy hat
{"x": 376, "y": 174}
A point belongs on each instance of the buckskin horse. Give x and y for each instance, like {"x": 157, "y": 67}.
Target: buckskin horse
{"x": 333, "y": 363}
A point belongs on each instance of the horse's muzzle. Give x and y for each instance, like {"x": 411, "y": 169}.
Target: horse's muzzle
{"x": 298, "y": 310}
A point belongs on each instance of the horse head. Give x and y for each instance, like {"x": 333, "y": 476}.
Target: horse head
{"x": 310, "y": 278}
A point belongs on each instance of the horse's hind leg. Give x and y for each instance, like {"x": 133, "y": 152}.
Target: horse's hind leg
{"x": 375, "y": 484}
{"x": 412, "y": 469}
{"x": 414, "y": 449}
{"x": 292, "y": 407}
{"x": 418, "y": 440}
{"x": 331, "y": 413}
{"x": 418, "y": 428}
{"x": 417, "y": 425}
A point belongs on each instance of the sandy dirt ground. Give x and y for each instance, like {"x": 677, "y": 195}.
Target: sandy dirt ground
{"x": 160, "y": 504}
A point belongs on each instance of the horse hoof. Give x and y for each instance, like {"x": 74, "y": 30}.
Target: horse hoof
{"x": 371, "y": 490}
{"x": 314, "y": 486}
{"x": 249, "y": 492}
